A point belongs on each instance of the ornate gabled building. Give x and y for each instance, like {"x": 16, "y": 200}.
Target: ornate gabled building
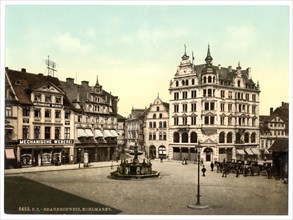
{"x": 215, "y": 108}
{"x": 272, "y": 127}
{"x": 95, "y": 121}
{"x": 39, "y": 120}
{"x": 156, "y": 129}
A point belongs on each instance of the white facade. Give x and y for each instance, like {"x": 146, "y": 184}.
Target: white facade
{"x": 215, "y": 108}
{"x": 156, "y": 130}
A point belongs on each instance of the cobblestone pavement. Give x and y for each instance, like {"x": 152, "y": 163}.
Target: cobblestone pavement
{"x": 171, "y": 193}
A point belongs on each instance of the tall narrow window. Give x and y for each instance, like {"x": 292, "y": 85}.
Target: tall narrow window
{"x": 47, "y": 113}
{"x": 25, "y": 132}
{"x": 26, "y": 111}
{"x": 8, "y": 111}
{"x": 57, "y": 114}
{"x": 57, "y": 132}
{"x": 47, "y": 132}
{"x": 66, "y": 133}
{"x": 37, "y": 132}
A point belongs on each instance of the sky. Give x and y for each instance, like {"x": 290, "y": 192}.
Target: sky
{"x": 135, "y": 49}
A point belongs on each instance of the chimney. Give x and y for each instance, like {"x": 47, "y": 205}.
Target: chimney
{"x": 70, "y": 81}
{"x": 85, "y": 83}
{"x": 271, "y": 111}
{"x": 219, "y": 66}
{"x": 23, "y": 70}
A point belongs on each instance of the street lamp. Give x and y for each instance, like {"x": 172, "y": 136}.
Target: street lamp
{"x": 198, "y": 174}
{"x": 198, "y": 204}
{"x": 79, "y": 153}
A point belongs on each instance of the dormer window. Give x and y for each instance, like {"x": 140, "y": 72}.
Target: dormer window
{"x": 58, "y": 99}
{"x": 37, "y": 97}
{"x": 48, "y": 98}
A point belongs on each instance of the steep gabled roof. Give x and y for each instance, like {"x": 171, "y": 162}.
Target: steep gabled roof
{"x": 23, "y": 82}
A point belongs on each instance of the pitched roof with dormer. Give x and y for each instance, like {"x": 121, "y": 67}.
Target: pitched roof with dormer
{"x": 23, "y": 84}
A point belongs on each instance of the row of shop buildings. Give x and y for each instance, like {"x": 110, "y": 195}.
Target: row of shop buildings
{"x": 212, "y": 109}
{"x": 48, "y": 121}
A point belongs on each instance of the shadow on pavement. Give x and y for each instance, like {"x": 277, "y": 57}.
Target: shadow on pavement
{"x": 24, "y": 196}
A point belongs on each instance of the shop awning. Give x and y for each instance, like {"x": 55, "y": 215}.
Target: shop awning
{"x": 240, "y": 151}
{"x": 98, "y": 133}
{"x": 248, "y": 151}
{"x": 255, "y": 151}
{"x": 81, "y": 133}
{"x": 9, "y": 154}
{"x": 280, "y": 145}
{"x": 114, "y": 133}
{"x": 88, "y": 132}
{"x": 8, "y": 127}
{"x": 107, "y": 133}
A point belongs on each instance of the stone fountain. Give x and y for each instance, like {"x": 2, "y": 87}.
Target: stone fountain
{"x": 134, "y": 169}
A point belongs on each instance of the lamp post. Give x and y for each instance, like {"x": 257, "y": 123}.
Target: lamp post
{"x": 79, "y": 153}
{"x": 198, "y": 204}
{"x": 198, "y": 174}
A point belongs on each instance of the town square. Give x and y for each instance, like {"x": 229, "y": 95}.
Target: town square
{"x": 160, "y": 109}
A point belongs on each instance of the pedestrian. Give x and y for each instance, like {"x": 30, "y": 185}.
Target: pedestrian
{"x": 203, "y": 170}
{"x": 224, "y": 172}
{"x": 212, "y": 166}
{"x": 186, "y": 163}
{"x": 269, "y": 171}
{"x": 237, "y": 171}
{"x": 161, "y": 159}
{"x": 245, "y": 171}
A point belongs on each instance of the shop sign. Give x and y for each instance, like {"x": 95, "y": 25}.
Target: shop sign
{"x": 45, "y": 141}
{"x": 41, "y": 104}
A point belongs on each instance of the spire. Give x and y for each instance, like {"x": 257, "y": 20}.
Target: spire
{"x": 185, "y": 57}
{"x": 239, "y": 67}
{"x": 97, "y": 82}
{"x": 209, "y": 58}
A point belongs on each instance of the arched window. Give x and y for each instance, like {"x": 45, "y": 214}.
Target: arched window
{"x": 238, "y": 83}
{"x": 183, "y": 82}
{"x": 154, "y": 136}
{"x": 154, "y": 125}
{"x": 164, "y": 124}
{"x": 154, "y": 116}
{"x": 192, "y": 82}
{"x": 229, "y": 137}
{"x": 177, "y": 84}
{"x": 150, "y": 124}
{"x": 160, "y": 124}
{"x": 164, "y": 136}
{"x": 193, "y": 137}
{"x": 184, "y": 137}
{"x": 176, "y": 137}
{"x": 214, "y": 79}
{"x": 238, "y": 138}
{"x": 204, "y": 79}
{"x": 160, "y": 115}
{"x": 246, "y": 137}
{"x": 186, "y": 82}
{"x": 209, "y": 79}
{"x": 150, "y": 136}
{"x": 252, "y": 137}
{"x": 222, "y": 137}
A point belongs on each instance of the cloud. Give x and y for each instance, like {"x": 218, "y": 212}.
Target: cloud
{"x": 70, "y": 43}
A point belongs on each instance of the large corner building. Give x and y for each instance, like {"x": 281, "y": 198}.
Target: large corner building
{"x": 214, "y": 108}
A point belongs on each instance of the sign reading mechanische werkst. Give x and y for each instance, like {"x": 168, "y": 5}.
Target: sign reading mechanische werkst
{"x": 45, "y": 141}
